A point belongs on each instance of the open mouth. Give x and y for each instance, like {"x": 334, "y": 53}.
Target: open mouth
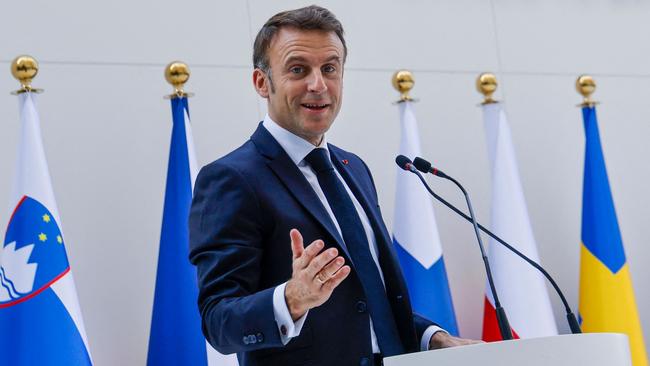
{"x": 315, "y": 106}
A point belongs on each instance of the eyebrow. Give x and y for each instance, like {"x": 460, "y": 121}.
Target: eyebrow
{"x": 293, "y": 59}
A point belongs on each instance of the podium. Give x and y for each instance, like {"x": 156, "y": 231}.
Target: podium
{"x": 594, "y": 349}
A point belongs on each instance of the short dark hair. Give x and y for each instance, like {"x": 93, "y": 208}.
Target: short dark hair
{"x": 308, "y": 18}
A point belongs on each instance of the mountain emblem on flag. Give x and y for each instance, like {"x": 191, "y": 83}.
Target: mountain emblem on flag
{"x": 33, "y": 255}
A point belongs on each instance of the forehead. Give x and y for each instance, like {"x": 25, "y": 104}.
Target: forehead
{"x": 291, "y": 42}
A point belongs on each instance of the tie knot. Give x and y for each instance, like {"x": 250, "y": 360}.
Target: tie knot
{"x": 319, "y": 160}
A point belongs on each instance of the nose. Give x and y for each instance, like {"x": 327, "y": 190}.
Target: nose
{"x": 316, "y": 82}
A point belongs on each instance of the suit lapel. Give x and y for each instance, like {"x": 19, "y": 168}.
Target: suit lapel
{"x": 295, "y": 182}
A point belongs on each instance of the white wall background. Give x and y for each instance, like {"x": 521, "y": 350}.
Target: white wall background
{"x": 106, "y": 127}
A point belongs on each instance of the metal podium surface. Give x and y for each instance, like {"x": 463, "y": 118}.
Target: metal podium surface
{"x": 593, "y": 349}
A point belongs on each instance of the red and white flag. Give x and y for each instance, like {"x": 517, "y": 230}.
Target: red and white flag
{"x": 521, "y": 289}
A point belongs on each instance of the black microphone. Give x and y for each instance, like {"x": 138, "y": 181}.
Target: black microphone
{"x": 425, "y": 166}
{"x": 405, "y": 163}
{"x": 502, "y": 319}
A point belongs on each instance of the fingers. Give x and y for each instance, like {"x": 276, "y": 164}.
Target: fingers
{"x": 336, "y": 279}
{"x": 320, "y": 261}
{"x": 308, "y": 255}
{"x": 296, "y": 243}
{"x": 303, "y": 256}
{"x": 330, "y": 269}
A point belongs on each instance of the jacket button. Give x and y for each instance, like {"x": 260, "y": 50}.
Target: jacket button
{"x": 361, "y": 307}
{"x": 364, "y": 361}
{"x": 260, "y": 337}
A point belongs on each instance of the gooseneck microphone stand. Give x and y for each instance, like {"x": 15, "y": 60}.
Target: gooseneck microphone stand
{"x": 502, "y": 320}
{"x": 425, "y": 166}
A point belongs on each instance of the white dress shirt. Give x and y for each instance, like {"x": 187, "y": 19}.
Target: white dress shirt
{"x": 298, "y": 148}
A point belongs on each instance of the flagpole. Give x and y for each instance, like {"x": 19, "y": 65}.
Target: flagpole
{"x": 487, "y": 84}
{"x": 25, "y": 68}
{"x": 57, "y": 332}
{"x": 606, "y": 300}
{"x": 416, "y": 238}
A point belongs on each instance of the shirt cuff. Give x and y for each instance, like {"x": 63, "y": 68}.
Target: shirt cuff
{"x": 426, "y": 337}
{"x": 286, "y": 326}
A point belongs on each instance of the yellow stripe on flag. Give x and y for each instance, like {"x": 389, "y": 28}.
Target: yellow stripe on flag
{"x": 607, "y": 303}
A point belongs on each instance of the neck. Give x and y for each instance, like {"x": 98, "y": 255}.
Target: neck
{"x": 315, "y": 140}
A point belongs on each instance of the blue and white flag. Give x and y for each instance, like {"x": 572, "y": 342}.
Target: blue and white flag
{"x": 176, "y": 337}
{"x": 416, "y": 238}
{"x": 40, "y": 318}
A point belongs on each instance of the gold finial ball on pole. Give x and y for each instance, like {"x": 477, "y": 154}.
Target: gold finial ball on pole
{"x": 24, "y": 68}
{"x": 403, "y": 82}
{"x": 486, "y": 84}
{"x": 585, "y": 85}
{"x": 177, "y": 73}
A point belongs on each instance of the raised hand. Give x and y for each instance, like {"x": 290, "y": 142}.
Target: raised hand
{"x": 316, "y": 273}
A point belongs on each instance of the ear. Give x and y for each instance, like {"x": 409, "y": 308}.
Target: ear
{"x": 261, "y": 83}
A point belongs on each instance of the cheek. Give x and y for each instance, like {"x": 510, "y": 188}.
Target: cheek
{"x": 336, "y": 89}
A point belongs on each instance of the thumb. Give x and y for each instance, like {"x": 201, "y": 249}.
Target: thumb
{"x": 297, "y": 246}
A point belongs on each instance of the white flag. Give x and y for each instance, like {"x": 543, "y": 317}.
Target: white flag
{"x": 40, "y": 318}
{"x": 521, "y": 289}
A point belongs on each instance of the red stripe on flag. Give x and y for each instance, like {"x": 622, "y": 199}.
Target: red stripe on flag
{"x": 491, "y": 331}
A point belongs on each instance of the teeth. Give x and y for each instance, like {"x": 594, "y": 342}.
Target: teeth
{"x": 315, "y": 105}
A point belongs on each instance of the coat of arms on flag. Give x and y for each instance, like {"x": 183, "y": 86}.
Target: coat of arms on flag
{"x": 33, "y": 256}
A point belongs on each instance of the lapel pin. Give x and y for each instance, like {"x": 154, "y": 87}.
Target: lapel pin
{"x": 345, "y": 161}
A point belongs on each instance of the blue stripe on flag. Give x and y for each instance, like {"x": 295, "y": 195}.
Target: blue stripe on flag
{"x": 41, "y": 332}
{"x": 429, "y": 289}
{"x": 176, "y": 337}
{"x": 600, "y": 231}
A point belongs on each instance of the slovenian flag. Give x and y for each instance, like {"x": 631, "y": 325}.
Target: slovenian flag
{"x": 416, "y": 238}
{"x": 522, "y": 290}
{"x": 607, "y": 301}
{"x": 176, "y": 337}
{"x": 40, "y": 318}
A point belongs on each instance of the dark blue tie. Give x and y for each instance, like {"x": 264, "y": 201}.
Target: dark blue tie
{"x": 357, "y": 244}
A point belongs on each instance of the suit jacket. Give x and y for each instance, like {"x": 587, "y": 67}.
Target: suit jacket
{"x": 244, "y": 206}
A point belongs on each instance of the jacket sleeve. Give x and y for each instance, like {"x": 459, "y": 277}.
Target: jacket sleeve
{"x": 226, "y": 231}
{"x": 421, "y": 324}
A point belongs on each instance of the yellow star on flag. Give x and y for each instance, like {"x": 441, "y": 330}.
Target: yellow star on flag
{"x": 42, "y": 237}
{"x": 59, "y": 239}
{"x": 46, "y": 218}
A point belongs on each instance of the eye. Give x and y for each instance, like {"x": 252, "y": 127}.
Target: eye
{"x": 329, "y": 68}
{"x": 296, "y": 69}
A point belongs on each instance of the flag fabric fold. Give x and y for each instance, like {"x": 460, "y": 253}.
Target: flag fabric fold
{"x": 40, "y": 317}
{"x": 416, "y": 238}
{"x": 521, "y": 289}
{"x": 176, "y": 337}
{"x": 606, "y": 300}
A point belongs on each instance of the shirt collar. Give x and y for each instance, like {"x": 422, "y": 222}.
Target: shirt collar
{"x": 295, "y": 146}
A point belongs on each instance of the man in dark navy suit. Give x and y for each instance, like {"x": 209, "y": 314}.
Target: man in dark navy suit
{"x": 341, "y": 299}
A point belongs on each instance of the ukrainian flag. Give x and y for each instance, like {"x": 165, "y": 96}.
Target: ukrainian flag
{"x": 607, "y": 301}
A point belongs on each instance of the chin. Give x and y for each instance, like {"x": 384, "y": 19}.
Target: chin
{"x": 317, "y": 128}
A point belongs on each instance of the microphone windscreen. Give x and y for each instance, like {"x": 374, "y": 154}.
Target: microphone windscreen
{"x": 402, "y": 161}
{"x": 422, "y": 165}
